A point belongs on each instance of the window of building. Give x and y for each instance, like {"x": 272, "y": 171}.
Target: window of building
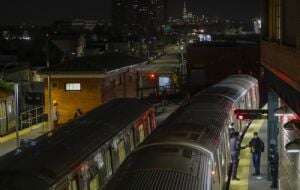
{"x": 73, "y": 86}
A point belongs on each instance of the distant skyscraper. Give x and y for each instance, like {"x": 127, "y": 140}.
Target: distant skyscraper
{"x": 185, "y": 13}
{"x": 142, "y": 16}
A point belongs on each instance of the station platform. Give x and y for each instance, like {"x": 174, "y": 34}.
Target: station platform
{"x": 246, "y": 169}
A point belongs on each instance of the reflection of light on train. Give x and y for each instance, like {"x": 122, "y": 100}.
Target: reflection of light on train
{"x": 205, "y": 38}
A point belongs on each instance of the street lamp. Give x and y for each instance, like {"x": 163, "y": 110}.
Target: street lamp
{"x": 17, "y": 108}
{"x": 181, "y": 48}
{"x": 50, "y": 108}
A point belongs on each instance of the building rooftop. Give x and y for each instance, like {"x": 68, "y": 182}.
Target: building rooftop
{"x": 95, "y": 64}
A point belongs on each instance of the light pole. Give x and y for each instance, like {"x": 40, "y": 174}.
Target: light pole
{"x": 17, "y": 107}
{"x": 181, "y": 49}
{"x": 50, "y": 109}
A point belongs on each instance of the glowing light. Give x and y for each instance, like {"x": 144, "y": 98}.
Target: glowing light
{"x": 152, "y": 76}
{"x": 213, "y": 173}
{"x": 240, "y": 117}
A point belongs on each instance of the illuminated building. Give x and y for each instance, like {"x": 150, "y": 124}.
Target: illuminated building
{"x": 87, "y": 82}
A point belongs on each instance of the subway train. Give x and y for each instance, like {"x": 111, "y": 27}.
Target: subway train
{"x": 191, "y": 150}
{"x": 83, "y": 154}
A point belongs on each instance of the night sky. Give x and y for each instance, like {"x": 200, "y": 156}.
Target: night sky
{"x": 45, "y": 11}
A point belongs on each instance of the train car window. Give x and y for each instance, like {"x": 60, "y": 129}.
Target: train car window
{"x": 249, "y": 99}
{"x": 121, "y": 151}
{"x": 95, "y": 183}
{"x": 187, "y": 153}
{"x": 131, "y": 139}
{"x": 141, "y": 133}
{"x": 73, "y": 185}
{"x": 108, "y": 162}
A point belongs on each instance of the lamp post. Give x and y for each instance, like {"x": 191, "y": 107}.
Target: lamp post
{"x": 50, "y": 108}
{"x": 181, "y": 49}
{"x": 17, "y": 107}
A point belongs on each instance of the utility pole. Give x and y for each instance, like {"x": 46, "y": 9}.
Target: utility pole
{"x": 17, "y": 107}
{"x": 50, "y": 109}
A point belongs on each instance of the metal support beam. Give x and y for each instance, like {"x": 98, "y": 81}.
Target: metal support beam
{"x": 273, "y": 104}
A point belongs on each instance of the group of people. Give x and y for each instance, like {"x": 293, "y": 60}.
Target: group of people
{"x": 256, "y": 146}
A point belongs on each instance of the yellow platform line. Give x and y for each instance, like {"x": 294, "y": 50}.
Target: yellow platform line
{"x": 22, "y": 132}
{"x": 245, "y": 159}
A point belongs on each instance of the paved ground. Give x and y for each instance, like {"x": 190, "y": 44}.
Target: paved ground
{"x": 169, "y": 109}
{"x": 245, "y": 170}
{"x": 10, "y": 145}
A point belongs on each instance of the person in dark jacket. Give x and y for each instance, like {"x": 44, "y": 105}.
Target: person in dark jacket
{"x": 257, "y": 147}
{"x": 78, "y": 113}
{"x": 234, "y": 149}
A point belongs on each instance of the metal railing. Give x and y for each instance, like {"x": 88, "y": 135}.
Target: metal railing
{"x": 32, "y": 117}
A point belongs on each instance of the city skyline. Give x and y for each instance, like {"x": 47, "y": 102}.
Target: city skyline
{"x": 45, "y": 12}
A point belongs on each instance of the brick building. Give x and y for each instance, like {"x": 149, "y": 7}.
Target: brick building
{"x": 87, "y": 82}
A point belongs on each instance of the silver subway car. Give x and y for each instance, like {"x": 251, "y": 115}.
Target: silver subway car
{"x": 191, "y": 150}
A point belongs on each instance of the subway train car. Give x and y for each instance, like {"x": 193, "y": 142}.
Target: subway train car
{"x": 190, "y": 151}
{"x": 83, "y": 154}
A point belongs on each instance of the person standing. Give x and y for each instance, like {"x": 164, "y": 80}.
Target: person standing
{"x": 78, "y": 113}
{"x": 55, "y": 115}
{"x": 234, "y": 149}
{"x": 257, "y": 147}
